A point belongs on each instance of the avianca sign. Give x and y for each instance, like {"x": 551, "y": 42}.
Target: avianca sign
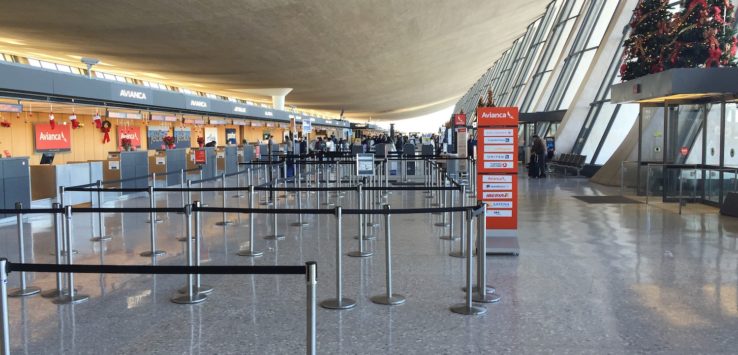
{"x": 57, "y": 139}
{"x": 198, "y": 103}
{"x": 498, "y": 116}
{"x": 132, "y": 94}
{"x": 132, "y": 132}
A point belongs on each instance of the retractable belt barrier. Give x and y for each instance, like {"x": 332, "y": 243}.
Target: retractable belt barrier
{"x": 310, "y": 269}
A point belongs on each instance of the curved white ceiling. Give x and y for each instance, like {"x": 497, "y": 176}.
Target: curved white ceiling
{"x": 380, "y": 58}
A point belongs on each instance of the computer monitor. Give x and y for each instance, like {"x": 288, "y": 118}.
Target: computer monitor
{"x": 47, "y": 158}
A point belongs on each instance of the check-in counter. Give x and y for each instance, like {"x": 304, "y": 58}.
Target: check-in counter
{"x": 230, "y": 159}
{"x": 209, "y": 168}
{"x": 46, "y": 180}
{"x": 128, "y": 165}
{"x": 15, "y": 182}
{"x": 169, "y": 162}
{"x": 220, "y": 158}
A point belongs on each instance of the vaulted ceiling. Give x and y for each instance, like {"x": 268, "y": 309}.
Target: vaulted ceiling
{"x": 386, "y": 59}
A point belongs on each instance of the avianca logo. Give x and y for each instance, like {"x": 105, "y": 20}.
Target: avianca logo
{"x": 52, "y": 137}
{"x": 131, "y": 136}
{"x": 197, "y": 103}
{"x": 133, "y": 94}
{"x": 497, "y": 115}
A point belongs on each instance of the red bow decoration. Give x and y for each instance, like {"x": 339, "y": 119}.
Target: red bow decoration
{"x": 106, "y": 137}
{"x": 98, "y": 121}
{"x": 51, "y": 121}
{"x": 5, "y": 124}
{"x": 73, "y": 119}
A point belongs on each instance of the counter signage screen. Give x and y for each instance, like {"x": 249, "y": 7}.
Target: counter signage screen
{"x": 230, "y": 135}
{"x": 132, "y": 132}
{"x": 183, "y": 136}
{"x": 48, "y": 139}
{"x": 155, "y": 136}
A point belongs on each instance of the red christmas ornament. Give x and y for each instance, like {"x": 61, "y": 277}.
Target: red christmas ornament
{"x": 51, "y": 121}
{"x": 73, "y": 119}
{"x": 97, "y": 120}
{"x": 105, "y": 128}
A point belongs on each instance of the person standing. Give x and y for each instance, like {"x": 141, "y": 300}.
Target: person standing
{"x": 539, "y": 149}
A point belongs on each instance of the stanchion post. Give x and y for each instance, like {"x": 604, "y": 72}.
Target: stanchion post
{"x": 152, "y": 229}
{"x": 224, "y": 222}
{"x": 360, "y": 237}
{"x": 199, "y": 288}
{"x": 4, "y": 306}
{"x": 486, "y": 293}
{"x": 276, "y": 235}
{"x": 311, "y": 276}
{"x": 58, "y": 244}
{"x": 469, "y": 308}
{"x": 250, "y": 251}
{"x": 451, "y": 235}
{"x": 462, "y": 234}
{"x": 24, "y": 290}
{"x": 339, "y": 302}
{"x": 70, "y": 296}
{"x": 154, "y": 218}
{"x": 189, "y": 297}
{"x": 388, "y": 298}
{"x": 100, "y": 223}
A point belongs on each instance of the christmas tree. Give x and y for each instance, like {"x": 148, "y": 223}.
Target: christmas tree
{"x": 703, "y": 35}
{"x": 645, "y": 50}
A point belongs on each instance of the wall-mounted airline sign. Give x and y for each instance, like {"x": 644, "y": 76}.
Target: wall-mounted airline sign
{"x": 183, "y": 136}
{"x": 231, "y": 136}
{"x": 155, "y": 136}
{"x": 460, "y": 119}
{"x": 217, "y": 122}
{"x": 11, "y": 108}
{"x": 497, "y": 116}
{"x": 257, "y": 124}
{"x": 239, "y": 122}
{"x": 270, "y": 124}
{"x": 57, "y": 139}
{"x": 129, "y": 93}
{"x": 284, "y": 125}
{"x": 307, "y": 126}
{"x": 194, "y": 121}
{"x": 198, "y": 104}
{"x": 132, "y": 132}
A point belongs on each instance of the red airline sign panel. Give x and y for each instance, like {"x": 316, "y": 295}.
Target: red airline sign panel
{"x": 497, "y": 165}
{"x": 132, "y": 132}
{"x": 200, "y": 157}
{"x": 459, "y": 119}
{"x": 57, "y": 139}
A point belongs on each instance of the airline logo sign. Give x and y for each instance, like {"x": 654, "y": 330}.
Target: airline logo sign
{"x": 459, "y": 119}
{"x": 133, "y": 133}
{"x": 239, "y": 109}
{"x": 498, "y": 116}
{"x": 130, "y": 94}
{"x": 198, "y": 104}
{"x": 498, "y": 150}
{"x": 500, "y": 193}
{"x": 48, "y": 139}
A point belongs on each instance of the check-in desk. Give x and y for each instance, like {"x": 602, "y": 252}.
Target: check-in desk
{"x": 128, "y": 165}
{"x": 46, "y": 180}
{"x": 15, "y": 182}
{"x": 209, "y": 169}
{"x": 230, "y": 159}
{"x": 167, "y": 164}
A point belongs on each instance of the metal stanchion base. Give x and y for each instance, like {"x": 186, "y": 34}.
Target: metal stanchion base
{"x": 101, "y": 239}
{"x": 66, "y": 299}
{"x": 393, "y": 300}
{"x": 250, "y": 253}
{"x": 54, "y": 293}
{"x": 153, "y": 253}
{"x": 343, "y": 303}
{"x": 24, "y": 292}
{"x": 489, "y": 289}
{"x": 225, "y": 223}
{"x": 360, "y": 254}
{"x": 300, "y": 224}
{"x": 186, "y": 299}
{"x": 64, "y": 252}
{"x": 202, "y": 289}
{"x": 367, "y": 237}
{"x": 442, "y": 224}
{"x": 274, "y": 237}
{"x": 474, "y": 310}
{"x": 184, "y": 239}
{"x": 158, "y": 220}
{"x": 486, "y": 298}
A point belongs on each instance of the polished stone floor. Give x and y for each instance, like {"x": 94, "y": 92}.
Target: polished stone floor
{"x": 596, "y": 279}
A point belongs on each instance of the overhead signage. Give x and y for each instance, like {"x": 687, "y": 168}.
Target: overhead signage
{"x": 183, "y": 136}
{"x": 194, "y": 121}
{"x": 239, "y": 122}
{"x": 268, "y": 113}
{"x": 364, "y": 164}
{"x": 460, "y": 119}
{"x": 155, "y": 136}
{"x": 200, "y": 104}
{"x": 240, "y": 109}
{"x": 257, "y": 124}
{"x": 217, "y": 122}
{"x": 125, "y": 115}
{"x": 11, "y": 108}
{"x": 48, "y": 139}
{"x": 165, "y": 118}
{"x": 130, "y": 132}
{"x": 497, "y": 116}
{"x": 129, "y": 93}
{"x": 284, "y": 125}
{"x": 270, "y": 124}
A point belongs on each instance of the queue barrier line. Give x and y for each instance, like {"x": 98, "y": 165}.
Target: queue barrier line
{"x": 266, "y": 187}
{"x": 128, "y": 179}
{"x": 310, "y": 270}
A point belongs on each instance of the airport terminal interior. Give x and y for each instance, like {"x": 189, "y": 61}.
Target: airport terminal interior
{"x": 369, "y": 177}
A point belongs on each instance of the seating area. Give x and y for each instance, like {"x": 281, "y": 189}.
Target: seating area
{"x": 565, "y": 162}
